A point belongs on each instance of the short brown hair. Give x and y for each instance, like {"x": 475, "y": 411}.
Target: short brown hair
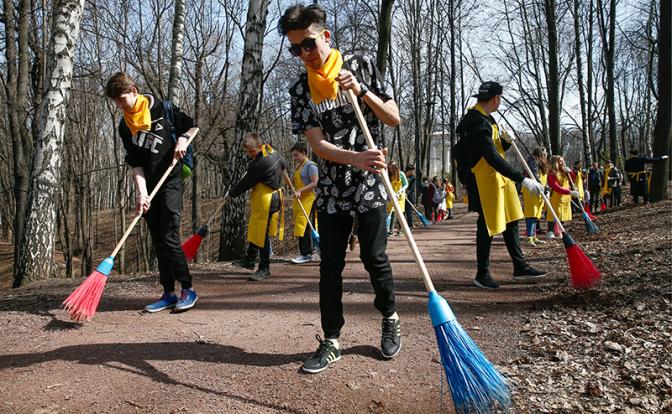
{"x": 300, "y": 17}
{"x": 300, "y": 147}
{"x": 118, "y": 84}
{"x": 251, "y": 140}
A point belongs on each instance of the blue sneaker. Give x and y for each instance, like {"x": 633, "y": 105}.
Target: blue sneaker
{"x": 168, "y": 300}
{"x": 187, "y": 300}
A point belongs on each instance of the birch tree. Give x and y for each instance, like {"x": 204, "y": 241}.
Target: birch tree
{"x": 36, "y": 260}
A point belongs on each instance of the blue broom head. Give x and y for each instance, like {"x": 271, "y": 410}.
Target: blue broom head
{"x": 203, "y": 231}
{"x": 591, "y": 227}
{"x": 475, "y": 384}
{"x": 567, "y": 240}
{"x": 105, "y": 267}
{"x": 424, "y": 220}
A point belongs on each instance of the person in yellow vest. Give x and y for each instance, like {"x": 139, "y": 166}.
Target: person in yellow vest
{"x": 304, "y": 181}
{"x": 399, "y": 184}
{"x": 533, "y": 205}
{"x": 264, "y": 177}
{"x": 561, "y": 193}
{"x": 450, "y": 198}
{"x": 611, "y": 185}
{"x": 635, "y": 167}
{"x": 579, "y": 177}
{"x": 491, "y": 186}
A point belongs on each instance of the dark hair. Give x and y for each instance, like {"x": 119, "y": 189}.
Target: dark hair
{"x": 409, "y": 168}
{"x": 300, "y": 17}
{"x": 634, "y": 151}
{"x": 300, "y": 147}
{"x": 118, "y": 84}
{"x": 577, "y": 162}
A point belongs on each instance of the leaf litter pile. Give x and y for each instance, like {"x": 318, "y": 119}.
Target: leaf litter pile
{"x": 608, "y": 349}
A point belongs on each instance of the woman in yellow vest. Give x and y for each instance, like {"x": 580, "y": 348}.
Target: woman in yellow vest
{"x": 561, "y": 195}
{"x": 450, "y": 198}
{"x": 399, "y": 185}
{"x": 304, "y": 181}
{"x": 264, "y": 177}
{"x": 533, "y": 205}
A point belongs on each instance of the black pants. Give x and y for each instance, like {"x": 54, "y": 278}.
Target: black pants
{"x": 484, "y": 241}
{"x": 163, "y": 220}
{"x": 595, "y": 199}
{"x": 334, "y": 232}
{"x": 265, "y": 251}
{"x": 409, "y": 213}
{"x": 428, "y": 211}
{"x": 306, "y": 241}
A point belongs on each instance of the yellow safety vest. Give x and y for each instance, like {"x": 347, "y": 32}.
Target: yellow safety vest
{"x": 450, "y": 197}
{"x": 561, "y": 203}
{"x": 606, "y": 190}
{"x": 396, "y": 186}
{"x": 498, "y": 195}
{"x": 579, "y": 184}
{"x": 260, "y": 205}
{"x": 306, "y": 200}
{"x": 534, "y": 205}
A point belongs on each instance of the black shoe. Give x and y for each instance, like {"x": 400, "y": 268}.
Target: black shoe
{"x": 390, "y": 342}
{"x": 326, "y": 354}
{"x": 244, "y": 263}
{"x": 528, "y": 273}
{"x": 485, "y": 282}
{"x": 261, "y": 274}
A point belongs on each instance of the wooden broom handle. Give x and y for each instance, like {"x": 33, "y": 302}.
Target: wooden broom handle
{"x": 192, "y": 134}
{"x": 388, "y": 187}
{"x": 529, "y": 172}
{"x": 298, "y": 201}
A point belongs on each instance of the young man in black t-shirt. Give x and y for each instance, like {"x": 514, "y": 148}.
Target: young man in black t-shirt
{"x": 152, "y": 139}
{"x": 349, "y": 183}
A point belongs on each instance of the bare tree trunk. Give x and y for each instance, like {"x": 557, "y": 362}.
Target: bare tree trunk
{"x": 36, "y": 260}
{"x": 663, "y": 129}
{"x": 232, "y": 236}
{"x": 384, "y": 34}
{"x": 589, "y": 82}
{"x": 553, "y": 81}
{"x": 608, "y": 33}
{"x": 453, "y": 112}
{"x": 587, "y": 150}
{"x": 176, "y": 56}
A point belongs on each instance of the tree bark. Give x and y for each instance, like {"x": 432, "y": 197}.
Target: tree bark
{"x": 587, "y": 150}
{"x": 36, "y": 260}
{"x": 232, "y": 236}
{"x": 384, "y": 34}
{"x": 176, "y": 56}
{"x": 553, "y": 79}
{"x": 663, "y": 129}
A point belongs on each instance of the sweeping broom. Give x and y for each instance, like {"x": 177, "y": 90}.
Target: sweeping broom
{"x": 583, "y": 272}
{"x": 591, "y": 227}
{"x": 474, "y": 382}
{"x": 81, "y": 305}
{"x": 423, "y": 219}
{"x": 191, "y": 245}
{"x": 313, "y": 233}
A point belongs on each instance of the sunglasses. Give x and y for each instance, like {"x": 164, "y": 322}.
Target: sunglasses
{"x": 308, "y": 44}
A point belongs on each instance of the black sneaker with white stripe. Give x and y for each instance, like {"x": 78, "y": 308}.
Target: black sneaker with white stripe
{"x": 485, "y": 281}
{"x": 326, "y": 354}
{"x": 390, "y": 341}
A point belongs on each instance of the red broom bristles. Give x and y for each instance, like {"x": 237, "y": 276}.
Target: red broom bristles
{"x": 191, "y": 245}
{"x": 603, "y": 206}
{"x": 583, "y": 272}
{"x": 81, "y": 305}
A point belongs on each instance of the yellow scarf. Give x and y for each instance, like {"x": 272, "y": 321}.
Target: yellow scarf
{"x": 139, "y": 118}
{"x": 322, "y": 81}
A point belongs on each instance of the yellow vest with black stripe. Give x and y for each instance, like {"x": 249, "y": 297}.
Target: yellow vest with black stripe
{"x": 306, "y": 200}
{"x": 606, "y": 190}
{"x": 498, "y": 195}
{"x": 533, "y": 205}
{"x": 260, "y": 205}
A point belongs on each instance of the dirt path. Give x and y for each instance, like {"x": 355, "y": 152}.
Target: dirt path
{"x": 241, "y": 348}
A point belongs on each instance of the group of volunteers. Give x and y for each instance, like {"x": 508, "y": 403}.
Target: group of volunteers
{"x": 344, "y": 190}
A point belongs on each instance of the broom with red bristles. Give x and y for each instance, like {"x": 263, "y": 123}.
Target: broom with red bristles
{"x": 583, "y": 272}
{"x": 192, "y": 244}
{"x": 81, "y": 305}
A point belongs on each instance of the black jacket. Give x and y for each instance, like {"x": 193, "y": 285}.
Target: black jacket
{"x": 267, "y": 170}
{"x": 475, "y": 130}
{"x": 153, "y": 150}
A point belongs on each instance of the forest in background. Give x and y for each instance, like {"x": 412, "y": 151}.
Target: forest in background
{"x": 587, "y": 79}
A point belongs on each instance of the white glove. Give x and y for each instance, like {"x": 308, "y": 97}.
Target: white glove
{"x": 664, "y": 157}
{"x": 532, "y": 186}
{"x": 574, "y": 194}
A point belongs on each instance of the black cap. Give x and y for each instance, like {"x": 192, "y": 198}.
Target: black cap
{"x": 488, "y": 89}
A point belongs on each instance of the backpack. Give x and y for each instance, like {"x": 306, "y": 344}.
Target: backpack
{"x": 188, "y": 159}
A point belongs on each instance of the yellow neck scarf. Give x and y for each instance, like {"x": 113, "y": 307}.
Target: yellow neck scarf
{"x": 322, "y": 81}
{"x": 139, "y": 117}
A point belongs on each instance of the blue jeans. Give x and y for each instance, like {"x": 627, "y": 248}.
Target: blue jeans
{"x": 531, "y": 226}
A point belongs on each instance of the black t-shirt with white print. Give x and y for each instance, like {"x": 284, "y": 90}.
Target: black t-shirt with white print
{"x": 153, "y": 150}
{"x": 343, "y": 189}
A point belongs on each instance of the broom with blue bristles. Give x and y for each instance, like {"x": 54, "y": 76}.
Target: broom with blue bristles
{"x": 315, "y": 236}
{"x": 475, "y": 384}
